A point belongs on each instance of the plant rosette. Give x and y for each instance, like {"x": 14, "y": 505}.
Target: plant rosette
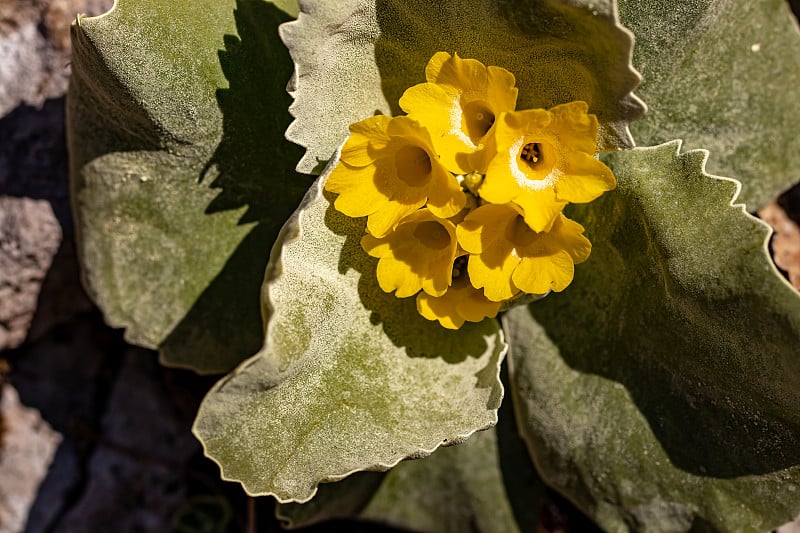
{"x": 480, "y": 196}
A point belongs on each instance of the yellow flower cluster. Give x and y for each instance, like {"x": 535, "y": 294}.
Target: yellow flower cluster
{"x": 464, "y": 195}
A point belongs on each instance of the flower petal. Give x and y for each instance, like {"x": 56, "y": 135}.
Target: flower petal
{"x": 376, "y": 247}
{"x": 412, "y": 132}
{"x": 366, "y": 137}
{"x": 502, "y": 92}
{"x": 462, "y": 302}
{"x": 494, "y": 277}
{"x": 540, "y": 274}
{"x": 441, "y": 309}
{"x": 434, "y": 66}
{"x": 389, "y": 215}
{"x": 358, "y": 194}
{"x": 474, "y": 306}
{"x": 575, "y": 243}
{"x": 584, "y": 179}
{"x": 396, "y": 275}
{"x": 499, "y": 185}
{"x": 438, "y": 108}
{"x": 431, "y": 104}
{"x": 467, "y": 75}
{"x": 445, "y": 196}
{"x": 460, "y": 105}
{"x": 455, "y": 151}
{"x": 418, "y": 254}
{"x": 484, "y": 227}
{"x": 574, "y": 127}
{"x": 513, "y": 126}
{"x": 540, "y": 208}
{"x": 565, "y": 235}
{"x": 439, "y": 275}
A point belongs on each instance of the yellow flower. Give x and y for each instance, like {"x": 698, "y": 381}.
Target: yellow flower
{"x": 466, "y": 245}
{"x": 462, "y": 302}
{"x": 459, "y": 105}
{"x": 507, "y": 256}
{"x": 388, "y": 170}
{"x": 418, "y": 254}
{"x": 541, "y": 160}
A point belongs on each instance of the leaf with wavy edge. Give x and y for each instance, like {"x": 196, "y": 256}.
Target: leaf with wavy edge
{"x": 484, "y": 484}
{"x": 661, "y": 390}
{"x": 722, "y": 75}
{"x": 459, "y": 488}
{"x": 181, "y": 177}
{"x": 350, "y": 378}
{"x": 355, "y": 57}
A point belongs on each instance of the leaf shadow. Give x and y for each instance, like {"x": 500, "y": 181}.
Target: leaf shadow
{"x": 253, "y": 168}
{"x": 524, "y": 487}
{"x": 710, "y": 421}
{"x": 558, "y": 51}
{"x": 398, "y": 316}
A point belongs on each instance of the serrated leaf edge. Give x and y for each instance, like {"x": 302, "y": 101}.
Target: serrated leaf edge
{"x": 618, "y": 129}
{"x": 677, "y": 144}
{"x": 630, "y": 99}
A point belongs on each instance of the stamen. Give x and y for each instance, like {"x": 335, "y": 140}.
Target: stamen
{"x": 459, "y": 266}
{"x": 531, "y": 153}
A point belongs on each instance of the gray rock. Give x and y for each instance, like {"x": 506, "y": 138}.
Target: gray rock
{"x": 27, "y": 446}
{"x": 29, "y": 239}
{"x": 136, "y": 475}
{"x": 34, "y": 48}
{"x": 35, "y": 220}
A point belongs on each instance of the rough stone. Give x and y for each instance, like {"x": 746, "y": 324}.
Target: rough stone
{"x": 67, "y": 376}
{"x": 29, "y": 239}
{"x": 34, "y": 48}
{"x": 35, "y": 222}
{"x": 27, "y": 447}
{"x": 136, "y": 475}
{"x": 785, "y": 241}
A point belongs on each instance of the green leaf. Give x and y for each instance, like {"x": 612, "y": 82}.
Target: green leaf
{"x": 350, "y": 378}
{"x": 181, "y": 178}
{"x": 485, "y": 484}
{"x": 288, "y": 6}
{"x": 341, "y": 500}
{"x": 660, "y": 392}
{"x": 354, "y": 58}
{"x": 722, "y": 75}
{"x": 456, "y": 489}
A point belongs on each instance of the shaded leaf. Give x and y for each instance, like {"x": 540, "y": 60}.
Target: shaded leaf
{"x": 181, "y": 178}
{"x": 350, "y": 378}
{"x": 354, "y": 58}
{"x": 341, "y": 500}
{"x": 722, "y": 75}
{"x": 660, "y": 392}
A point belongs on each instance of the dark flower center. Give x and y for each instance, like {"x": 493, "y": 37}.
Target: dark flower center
{"x": 459, "y": 267}
{"x": 478, "y": 120}
{"x": 432, "y": 235}
{"x": 531, "y": 154}
{"x": 413, "y": 165}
